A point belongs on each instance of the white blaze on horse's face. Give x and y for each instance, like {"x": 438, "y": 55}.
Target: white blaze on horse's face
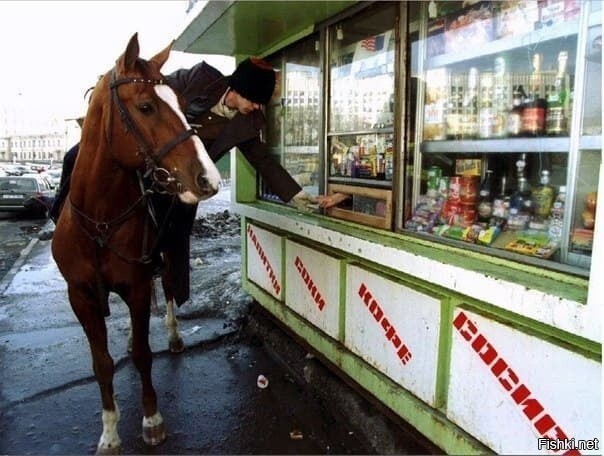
{"x": 212, "y": 175}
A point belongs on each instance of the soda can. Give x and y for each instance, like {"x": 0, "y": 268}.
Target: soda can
{"x": 443, "y": 187}
{"x": 433, "y": 174}
{"x": 454, "y": 187}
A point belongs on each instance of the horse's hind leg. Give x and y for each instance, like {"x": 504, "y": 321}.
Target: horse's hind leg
{"x": 154, "y": 431}
{"x": 93, "y": 322}
{"x": 175, "y": 341}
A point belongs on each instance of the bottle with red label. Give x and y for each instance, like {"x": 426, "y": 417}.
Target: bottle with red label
{"x": 535, "y": 105}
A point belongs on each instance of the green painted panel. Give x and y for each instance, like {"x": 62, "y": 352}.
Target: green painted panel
{"x": 252, "y": 27}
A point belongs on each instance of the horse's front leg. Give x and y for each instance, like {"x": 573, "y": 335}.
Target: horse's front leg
{"x": 154, "y": 431}
{"x": 87, "y": 311}
{"x": 175, "y": 341}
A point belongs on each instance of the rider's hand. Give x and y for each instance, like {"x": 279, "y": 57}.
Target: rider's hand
{"x": 327, "y": 201}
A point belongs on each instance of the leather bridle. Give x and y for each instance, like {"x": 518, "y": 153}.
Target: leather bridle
{"x": 162, "y": 178}
{"x": 152, "y": 179}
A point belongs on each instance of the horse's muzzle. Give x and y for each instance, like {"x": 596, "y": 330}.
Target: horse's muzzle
{"x": 208, "y": 186}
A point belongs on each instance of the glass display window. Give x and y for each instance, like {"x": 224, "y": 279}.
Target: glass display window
{"x": 294, "y": 114}
{"x": 506, "y": 133}
{"x": 361, "y": 71}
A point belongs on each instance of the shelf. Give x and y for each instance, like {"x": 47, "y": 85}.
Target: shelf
{"x": 497, "y": 146}
{"x": 377, "y": 131}
{"x": 553, "y": 32}
{"x": 361, "y": 182}
{"x": 590, "y": 142}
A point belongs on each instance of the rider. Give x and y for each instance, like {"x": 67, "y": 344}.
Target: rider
{"x": 225, "y": 112}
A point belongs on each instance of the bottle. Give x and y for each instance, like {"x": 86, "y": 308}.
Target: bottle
{"x": 533, "y": 114}
{"x": 543, "y": 197}
{"x": 501, "y": 202}
{"x": 454, "y": 109}
{"x": 485, "y": 203}
{"x": 469, "y": 118}
{"x": 556, "y": 219}
{"x": 486, "y": 115}
{"x": 500, "y": 98}
{"x": 514, "y": 118}
{"x": 556, "y": 123}
{"x": 521, "y": 203}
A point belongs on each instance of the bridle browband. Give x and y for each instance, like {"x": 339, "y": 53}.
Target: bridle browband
{"x": 161, "y": 180}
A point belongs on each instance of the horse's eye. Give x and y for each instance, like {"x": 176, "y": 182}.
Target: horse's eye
{"x": 146, "y": 108}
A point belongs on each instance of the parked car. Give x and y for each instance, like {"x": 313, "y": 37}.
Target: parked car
{"x": 54, "y": 177}
{"x": 31, "y": 194}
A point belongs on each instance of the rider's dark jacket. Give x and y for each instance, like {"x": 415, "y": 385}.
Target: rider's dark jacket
{"x": 202, "y": 87}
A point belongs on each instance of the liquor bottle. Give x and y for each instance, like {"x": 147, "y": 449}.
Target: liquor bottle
{"x": 500, "y": 98}
{"x": 543, "y": 197}
{"x": 501, "y": 202}
{"x": 514, "y": 119}
{"x": 533, "y": 115}
{"x": 556, "y": 219}
{"x": 454, "y": 110}
{"x": 486, "y": 115}
{"x": 521, "y": 203}
{"x": 469, "y": 118}
{"x": 556, "y": 123}
{"x": 485, "y": 199}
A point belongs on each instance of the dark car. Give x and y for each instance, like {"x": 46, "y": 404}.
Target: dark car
{"x": 30, "y": 194}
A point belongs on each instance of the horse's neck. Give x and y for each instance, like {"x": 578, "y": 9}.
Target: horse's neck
{"x": 100, "y": 187}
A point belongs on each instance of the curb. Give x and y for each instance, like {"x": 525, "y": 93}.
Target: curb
{"x": 9, "y": 276}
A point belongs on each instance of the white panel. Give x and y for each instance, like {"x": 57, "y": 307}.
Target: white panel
{"x": 394, "y": 328}
{"x": 508, "y": 388}
{"x": 264, "y": 254}
{"x": 313, "y": 286}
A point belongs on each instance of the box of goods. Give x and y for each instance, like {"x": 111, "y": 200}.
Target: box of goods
{"x": 469, "y": 27}
{"x": 582, "y": 240}
{"x": 516, "y": 17}
{"x": 467, "y": 167}
{"x": 555, "y": 11}
{"x": 435, "y": 43}
{"x": 426, "y": 214}
{"x": 533, "y": 243}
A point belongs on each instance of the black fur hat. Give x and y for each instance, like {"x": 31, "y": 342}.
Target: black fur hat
{"x": 254, "y": 79}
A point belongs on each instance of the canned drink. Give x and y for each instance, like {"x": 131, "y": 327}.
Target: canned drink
{"x": 434, "y": 173}
{"x": 443, "y": 187}
{"x": 468, "y": 214}
{"x": 454, "y": 186}
{"x": 451, "y": 212}
{"x": 468, "y": 189}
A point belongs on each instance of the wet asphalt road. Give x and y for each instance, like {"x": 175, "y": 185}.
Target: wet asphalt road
{"x": 208, "y": 396}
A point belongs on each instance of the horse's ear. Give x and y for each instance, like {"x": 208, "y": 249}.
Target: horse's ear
{"x": 162, "y": 56}
{"x": 129, "y": 57}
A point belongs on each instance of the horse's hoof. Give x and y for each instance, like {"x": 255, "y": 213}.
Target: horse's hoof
{"x": 108, "y": 450}
{"x": 154, "y": 435}
{"x": 177, "y": 345}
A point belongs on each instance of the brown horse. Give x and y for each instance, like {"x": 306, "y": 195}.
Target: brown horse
{"x": 135, "y": 141}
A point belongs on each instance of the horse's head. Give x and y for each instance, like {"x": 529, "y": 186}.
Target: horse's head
{"x": 150, "y": 115}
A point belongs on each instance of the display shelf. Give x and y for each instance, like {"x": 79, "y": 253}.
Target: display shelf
{"x": 497, "y": 146}
{"x": 535, "y": 37}
{"x": 375, "y": 131}
{"x": 360, "y": 181}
